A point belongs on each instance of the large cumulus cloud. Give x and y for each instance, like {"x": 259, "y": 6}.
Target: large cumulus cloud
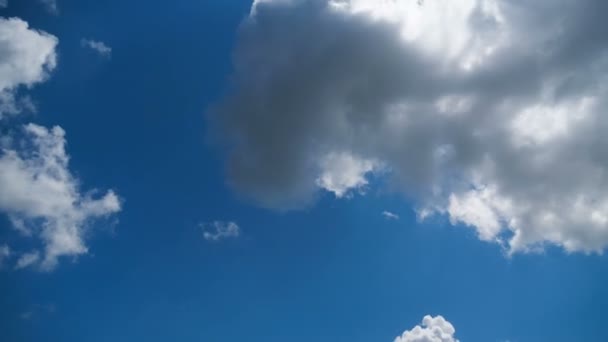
{"x": 491, "y": 112}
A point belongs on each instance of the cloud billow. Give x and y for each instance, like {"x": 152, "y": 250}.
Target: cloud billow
{"x": 487, "y": 111}
{"x": 27, "y": 56}
{"x": 432, "y": 329}
{"x": 43, "y": 200}
{"x": 39, "y": 194}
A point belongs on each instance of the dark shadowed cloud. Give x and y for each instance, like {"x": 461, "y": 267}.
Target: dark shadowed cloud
{"x": 487, "y": 111}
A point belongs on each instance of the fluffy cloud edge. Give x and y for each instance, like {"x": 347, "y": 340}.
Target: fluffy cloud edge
{"x": 30, "y": 56}
{"x": 431, "y": 329}
{"x": 43, "y": 199}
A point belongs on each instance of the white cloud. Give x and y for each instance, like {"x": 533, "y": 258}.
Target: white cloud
{"x": 218, "y": 230}
{"x": 27, "y": 259}
{"x": 478, "y": 208}
{"x": 432, "y": 329}
{"x": 488, "y": 111}
{"x": 343, "y": 172}
{"x": 43, "y": 199}
{"x": 97, "y": 46}
{"x": 26, "y": 58}
{"x": 390, "y": 216}
{"x": 3, "y": 3}
{"x": 51, "y": 6}
{"x": 38, "y": 193}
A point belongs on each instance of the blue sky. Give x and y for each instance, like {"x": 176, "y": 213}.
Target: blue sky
{"x": 226, "y": 169}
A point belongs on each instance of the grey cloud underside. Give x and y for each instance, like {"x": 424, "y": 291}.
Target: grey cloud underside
{"x": 515, "y": 143}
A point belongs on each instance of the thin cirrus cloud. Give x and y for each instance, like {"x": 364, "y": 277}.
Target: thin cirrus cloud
{"x": 389, "y": 215}
{"x": 99, "y": 47}
{"x": 5, "y": 253}
{"x": 51, "y": 6}
{"x": 431, "y": 329}
{"x": 38, "y": 192}
{"x": 488, "y": 112}
{"x": 220, "y": 230}
{"x": 27, "y": 259}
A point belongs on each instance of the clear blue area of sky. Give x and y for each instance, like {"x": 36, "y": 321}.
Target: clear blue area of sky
{"x": 337, "y": 271}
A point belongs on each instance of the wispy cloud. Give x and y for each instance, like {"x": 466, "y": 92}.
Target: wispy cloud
{"x": 390, "y": 216}
{"x": 26, "y": 315}
{"x": 98, "y": 46}
{"x": 219, "y": 230}
{"x": 5, "y": 253}
{"x": 38, "y": 310}
{"x": 27, "y": 259}
{"x": 51, "y": 6}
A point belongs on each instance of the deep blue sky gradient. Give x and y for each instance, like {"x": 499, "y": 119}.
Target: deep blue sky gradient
{"x": 337, "y": 271}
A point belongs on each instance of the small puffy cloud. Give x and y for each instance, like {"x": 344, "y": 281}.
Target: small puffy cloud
{"x": 26, "y": 58}
{"x": 432, "y": 329}
{"x": 43, "y": 200}
{"x": 489, "y": 112}
{"x": 100, "y": 47}
{"x": 3, "y": 3}
{"x": 38, "y": 310}
{"x": 219, "y": 230}
{"x": 390, "y": 216}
